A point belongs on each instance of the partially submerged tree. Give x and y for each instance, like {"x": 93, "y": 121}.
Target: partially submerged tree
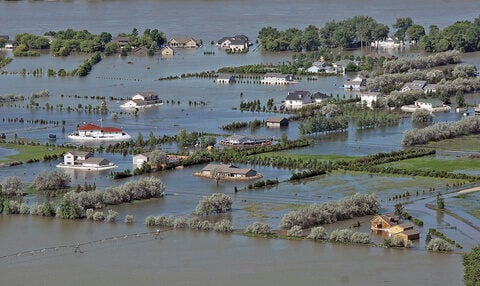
{"x": 214, "y": 204}
{"x": 12, "y": 186}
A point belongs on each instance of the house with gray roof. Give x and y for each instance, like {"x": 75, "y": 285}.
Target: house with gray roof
{"x": 85, "y": 161}
{"x": 227, "y": 171}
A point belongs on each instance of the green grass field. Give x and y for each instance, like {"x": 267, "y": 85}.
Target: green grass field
{"x": 464, "y": 143}
{"x": 449, "y": 164}
{"x": 27, "y": 152}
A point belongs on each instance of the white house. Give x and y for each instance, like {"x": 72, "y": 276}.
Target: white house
{"x": 357, "y": 83}
{"x": 226, "y": 78}
{"x": 429, "y": 103}
{"x": 317, "y": 67}
{"x": 182, "y": 42}
{"x": 143, "y": 99}
{"x": 368, "y": 98}
{"x": 235, "y": 43}
{"x": 298, "y": 99}
{"x": 277, "y": 78}
{"x": 84, "y": 161}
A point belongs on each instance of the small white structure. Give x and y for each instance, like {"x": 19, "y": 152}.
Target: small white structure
{"x": 277, "y": 78}
{"x": 368, "y": 98}
{"x": 139, "y": 159}
{"x": 357, "y": 83}
{"x": 183, "y": 42}
{"x": 390, "y": 42}
{"x": 143, "y": 99}
{"x": 226, "y": 78}
{"x": 85, "y": 161}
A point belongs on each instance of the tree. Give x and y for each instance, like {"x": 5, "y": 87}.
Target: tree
{"x": 460, "y": 98}
{"x": 415, "y": 32}
{"x": 440, "y": 202}
{"x": 311, "y": 38}
{"x": 402, "y": 25}
{"x": 422, "y": 116}
{"x": 399, "y": 209}
{"x": 471, "y": 264}
{"x": 158, "y": 158}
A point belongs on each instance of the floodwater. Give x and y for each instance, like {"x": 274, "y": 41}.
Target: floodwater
{"x": 107, "y": 256}
{"x": 189, "y": 258}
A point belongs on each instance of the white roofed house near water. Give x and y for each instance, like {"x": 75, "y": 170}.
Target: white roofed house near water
{"x": 98, "y": 133}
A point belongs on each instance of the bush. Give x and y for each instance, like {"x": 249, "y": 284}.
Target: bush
{"x": 214, "y": 204}
{"x": 24, "y": 209}
{"x": 360, "y": 237}
{"x": 439, "y": 245}
{"x": 98, "y": 216}
{"x": 128, "y": 219}
{"x": 150, "y": 220}
{"x": 12, "y": 186}
{"x": 112, "y": 216}
{"x": 258, "y": 228}
{"x": 295, "y": 231}
{"x": 347, "y": 235}
{"x": 165, "y": 221}
{"x": 89, "y": 214}
{"x": 55, "y": 180}
{"x": 341, "y": 235}
{"x": 205, "y": 225}
{"x": 223, "y": 226}
{"x": 318, "y": 233}
{"x": 180, "y": 222}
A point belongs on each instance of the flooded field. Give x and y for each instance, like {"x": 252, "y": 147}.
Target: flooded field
{"x": 120, "y": 254}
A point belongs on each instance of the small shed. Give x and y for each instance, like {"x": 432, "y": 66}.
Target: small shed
{"x": 410, "y": 234}
{"x": 276, "y": 122}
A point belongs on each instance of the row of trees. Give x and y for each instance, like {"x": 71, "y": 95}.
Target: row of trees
{"x": 330, "y": 212}
{"x": 404, "y": 65}
{"x": 441, "y": 130}
{"x": 73, "y": 205}
{"x": 322, "y": 124}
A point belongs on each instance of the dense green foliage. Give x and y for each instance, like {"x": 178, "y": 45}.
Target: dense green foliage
{"x": 4, "y": 60}
{"x": 471, "y": 264}
{"x": 292, "y": 39}
{"x": 258, "y": 228}
{"x": 51, "y": 181}
{"x": 351, "y": 32}
{"x": 349, "y": 236}
{"x": 462, "y": 35}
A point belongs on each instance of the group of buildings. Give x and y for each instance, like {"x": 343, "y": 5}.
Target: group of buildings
{"x": 390, "y": 225}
